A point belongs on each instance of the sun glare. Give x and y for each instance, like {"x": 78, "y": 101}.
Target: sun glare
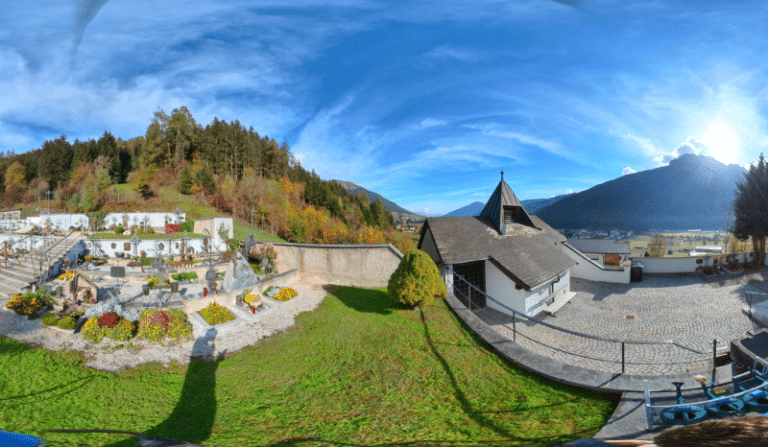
{"x": 722, "y": 142}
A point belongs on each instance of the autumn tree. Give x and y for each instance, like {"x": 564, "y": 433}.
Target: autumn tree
{"x": 657, "y": 246}
{"x": 16, "y": 175}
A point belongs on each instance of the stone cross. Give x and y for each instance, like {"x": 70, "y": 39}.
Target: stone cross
{"x": 249, "y": 243}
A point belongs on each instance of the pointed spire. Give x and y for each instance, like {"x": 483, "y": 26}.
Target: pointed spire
{"x": 504, "y": 197}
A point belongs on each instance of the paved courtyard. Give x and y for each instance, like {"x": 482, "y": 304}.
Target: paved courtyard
{"x": 682, "y": 308}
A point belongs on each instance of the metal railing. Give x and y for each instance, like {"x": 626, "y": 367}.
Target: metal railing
{"x": 653, "y": 412}
{"x": 621, "y": 345}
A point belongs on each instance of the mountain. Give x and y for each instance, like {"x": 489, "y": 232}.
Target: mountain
{"x": 693, "y": 191}
{"x": 530, "y": 205}
{"x": 534, "y": 205}
{"x": 473, "y": 209}
{"x": 372, "y": 196}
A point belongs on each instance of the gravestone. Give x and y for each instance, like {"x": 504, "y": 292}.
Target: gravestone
{"x": 239, "y": 274}
{"x": 249, "y": 243}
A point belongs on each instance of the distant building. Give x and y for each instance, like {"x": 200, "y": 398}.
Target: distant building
{"x": 709, "y": 249}
{"x": 604, "y": 251}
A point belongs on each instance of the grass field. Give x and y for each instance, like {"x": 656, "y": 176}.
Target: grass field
{"x": 356, "y": 371}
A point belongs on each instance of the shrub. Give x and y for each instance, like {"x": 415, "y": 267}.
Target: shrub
{"x": 68, "y": 323}
{"x": 216, "y": 314}
{"x": 150, "y": 230}
{"x": 416, "y": 281}
{"x": 92, "y": 331}
{"x": 66, "y": 276}
{"x": 119, "y": 229}
{"x": 152, "y": 281}
{"x": 286, "y": 294}
{"x": 122, "y": 332}
{"x": 109, "y": 319}
{"x": 184, "y": 276}
{"x": 49, "y": 319}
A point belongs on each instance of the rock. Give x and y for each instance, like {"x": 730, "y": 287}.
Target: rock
{"x": 239, "y": 274}
{"x": 112, "y": 305}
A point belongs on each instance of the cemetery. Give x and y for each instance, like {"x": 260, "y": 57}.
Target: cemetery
{"x": 159, "y": 283}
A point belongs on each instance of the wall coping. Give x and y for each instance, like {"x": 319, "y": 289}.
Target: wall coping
{"x": 391, "y": 247}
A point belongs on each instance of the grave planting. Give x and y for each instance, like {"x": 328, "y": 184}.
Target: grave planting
{"x": 216, "y": 314}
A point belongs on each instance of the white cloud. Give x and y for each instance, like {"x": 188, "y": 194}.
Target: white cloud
{"x": 493, "y": 129}
{"x": 691, "y": 145}
{"x": 569, "y": 191}
{"x": 431, "y": 122}
{"x": 461, "y": 54}
{"x": 627, "y": 171}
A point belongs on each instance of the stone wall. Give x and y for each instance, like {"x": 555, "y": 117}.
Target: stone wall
{"x": 349, "y": 265}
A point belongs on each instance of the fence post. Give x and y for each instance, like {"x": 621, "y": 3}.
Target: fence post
{"x": 714, "y": 362}
{"x": 622, "y": 357}
{"x": 514, "y": 327}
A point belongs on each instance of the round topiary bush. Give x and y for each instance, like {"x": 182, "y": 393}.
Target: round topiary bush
{"x": 49, "y": 319}
{"x": 416, "y": 281}
{"x": 68, "y": 323}
{"x": 119, "y": 229}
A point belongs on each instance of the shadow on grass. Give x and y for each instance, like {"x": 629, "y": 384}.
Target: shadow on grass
{"x": 192, "y": 418}
{"x": 364, "y": 300}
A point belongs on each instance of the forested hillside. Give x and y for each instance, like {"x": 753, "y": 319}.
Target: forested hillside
{"x": 233, "y": 169}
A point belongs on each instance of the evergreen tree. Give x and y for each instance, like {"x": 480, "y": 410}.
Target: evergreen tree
{"x": 186, "y": 181}
{"x": 751, "y": 208}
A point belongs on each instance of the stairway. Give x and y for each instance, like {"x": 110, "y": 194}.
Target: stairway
{"x": 22, "y": 272}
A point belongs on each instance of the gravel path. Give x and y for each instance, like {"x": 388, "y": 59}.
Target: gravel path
{"x": 233, "y": 339}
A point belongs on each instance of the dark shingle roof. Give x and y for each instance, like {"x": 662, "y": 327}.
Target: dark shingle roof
{"x": 554, "y": 234}
{"x": 600, "y": 246}
{"x": 530, "y": 256}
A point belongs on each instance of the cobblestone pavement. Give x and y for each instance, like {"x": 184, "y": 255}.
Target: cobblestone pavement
{"x": 681, "y": 308}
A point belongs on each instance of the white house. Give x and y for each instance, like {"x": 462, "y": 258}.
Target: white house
{"x": 512, "y": 257}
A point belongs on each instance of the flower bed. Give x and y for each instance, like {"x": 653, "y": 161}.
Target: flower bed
{"x": 286, "y": 294}
{"x": 155, "y": 325}
{"x": 108, "y": 324}
{"x": 216, "y": 314}
{"x": 30, "y": 303}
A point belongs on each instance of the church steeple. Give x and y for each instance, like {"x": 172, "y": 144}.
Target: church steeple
{"x": 503, "y": 208}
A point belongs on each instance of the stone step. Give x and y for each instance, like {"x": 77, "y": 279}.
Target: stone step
{"x": 7, "y": 290}
{"x": 16, "y": 277}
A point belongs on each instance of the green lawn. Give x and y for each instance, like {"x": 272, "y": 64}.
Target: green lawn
{"x": 356, "y": 371}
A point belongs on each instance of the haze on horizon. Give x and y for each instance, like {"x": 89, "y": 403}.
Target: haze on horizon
{"x": 423, "y": 102}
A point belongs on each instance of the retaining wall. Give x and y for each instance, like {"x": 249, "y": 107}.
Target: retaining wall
{"x": 349, "y": 265}
{"x": 592, "y": 271}
{"x": 689, "y": 264}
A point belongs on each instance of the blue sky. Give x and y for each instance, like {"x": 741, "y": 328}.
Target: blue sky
{"x": 423, "y": 102}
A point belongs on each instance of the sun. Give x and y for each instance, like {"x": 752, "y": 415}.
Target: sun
{"x": 722, "y": 142}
